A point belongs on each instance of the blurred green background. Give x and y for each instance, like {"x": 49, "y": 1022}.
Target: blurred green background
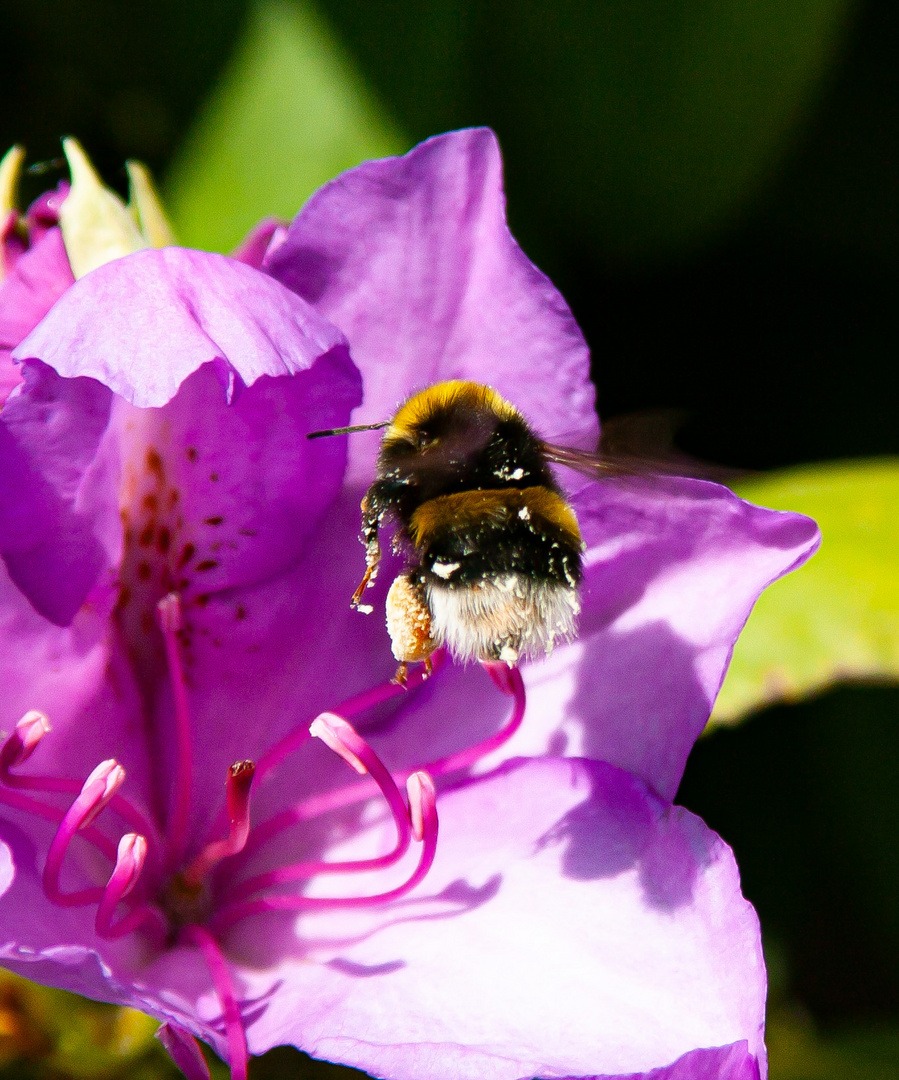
{"x": 712, "y": 184}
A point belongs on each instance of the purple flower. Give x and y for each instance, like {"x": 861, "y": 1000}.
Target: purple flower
{"x": 34, "y": 268}
{"x": 179, "y": 560}
{"x": 37, "y": 265}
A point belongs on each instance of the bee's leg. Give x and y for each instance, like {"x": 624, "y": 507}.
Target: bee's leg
{"x": 371, "y": 519}
{"x": 402, "y": 672}
{"x": 409, "y": 625}
{"x": 368, "y": 578}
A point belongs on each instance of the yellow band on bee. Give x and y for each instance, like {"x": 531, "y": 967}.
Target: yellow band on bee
{"x": 420, "y": 407}
{"x": 465, "y": 509}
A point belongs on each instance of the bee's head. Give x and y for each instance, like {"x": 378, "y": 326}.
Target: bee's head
{"x": 445, "y": 426}
{"x": 443, "y": 430}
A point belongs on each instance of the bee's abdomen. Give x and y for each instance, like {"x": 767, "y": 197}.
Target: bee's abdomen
{"x": 471, "y": 536}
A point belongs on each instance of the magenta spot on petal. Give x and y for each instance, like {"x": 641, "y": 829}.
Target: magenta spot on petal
{"x": 207, "y": 564}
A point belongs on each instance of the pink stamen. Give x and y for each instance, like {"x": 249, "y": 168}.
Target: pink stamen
{"x": 95, "y": 794}
{"x": 424, "y": 810}
{"x": 510, "y": 682}
{"x": 292, "y": 742}
{"x": 98, "y": 790}
{"x": 53, "y": 814}
{"x": 506, "y": 679}
{"x": 342, "y": 738}
{"x": 169, "y": 618}
{"x": 130, "y": 860}
{"x": 236, "y": 1036}
{"x": 359, "y": 703}
{"x": 308, "y": 810}
{"x": 422, "y": 803}
{"x": 337, "y": 734}
{"x": 184, "y": 1050}
{"x": 238, "y": 784}
{"x": 19, "y": 747}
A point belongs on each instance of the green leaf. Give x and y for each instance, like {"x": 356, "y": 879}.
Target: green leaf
{"x": 837, "y": 617}
{"x": 679, "y": 109}
{"x": 645, "y": 125}
{"x": 291, "y": 112}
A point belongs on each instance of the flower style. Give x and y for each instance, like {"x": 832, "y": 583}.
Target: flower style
{"x": 188, "y": 696}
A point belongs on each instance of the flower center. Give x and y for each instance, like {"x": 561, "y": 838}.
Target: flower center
{"x": 185, "y": 903}
{"x": 154, "y": 889}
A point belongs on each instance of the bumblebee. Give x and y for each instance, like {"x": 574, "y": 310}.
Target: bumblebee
{"x": 494, "y": 549}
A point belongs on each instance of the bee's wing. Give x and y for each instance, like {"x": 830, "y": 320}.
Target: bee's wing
{"x": 596, "y": 465}
{"x": 640, "y": 445}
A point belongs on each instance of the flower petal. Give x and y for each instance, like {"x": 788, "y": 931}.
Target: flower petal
{"x": 718, "y": 1063}
{"x": 39, "y": 277}
{"x": 72, "y": 458}
{"x": 78, "y": 677}
{"x": 184, "y": 1050}
{"x": 58, "y": 527}
{"x": 673, "y": 568}
{"x": 223, "y": 496}
{"x": 57, "y": 946}
{"x": 260, "y": 239}
{"x": 592, "y": 930}
{"x": 143, "y": 323}
{"x": 572, "y": 925}
{"x": 412, "y": 258}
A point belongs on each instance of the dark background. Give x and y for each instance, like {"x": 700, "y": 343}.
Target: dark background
{"x": 768, "y": 313}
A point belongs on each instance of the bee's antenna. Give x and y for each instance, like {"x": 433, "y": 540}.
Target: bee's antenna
{"x": 347, "y": 430}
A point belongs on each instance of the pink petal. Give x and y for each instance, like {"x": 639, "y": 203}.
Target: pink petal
{"x": 412, "y": 258}
{"x": 40, "y": 276}
{"x": 142, "y": 324}
{"x": 673, "y": 570}
{"x": 256, "y": 244}
{"x": 571, "y": 925}
{"x": 71, "y": 459}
